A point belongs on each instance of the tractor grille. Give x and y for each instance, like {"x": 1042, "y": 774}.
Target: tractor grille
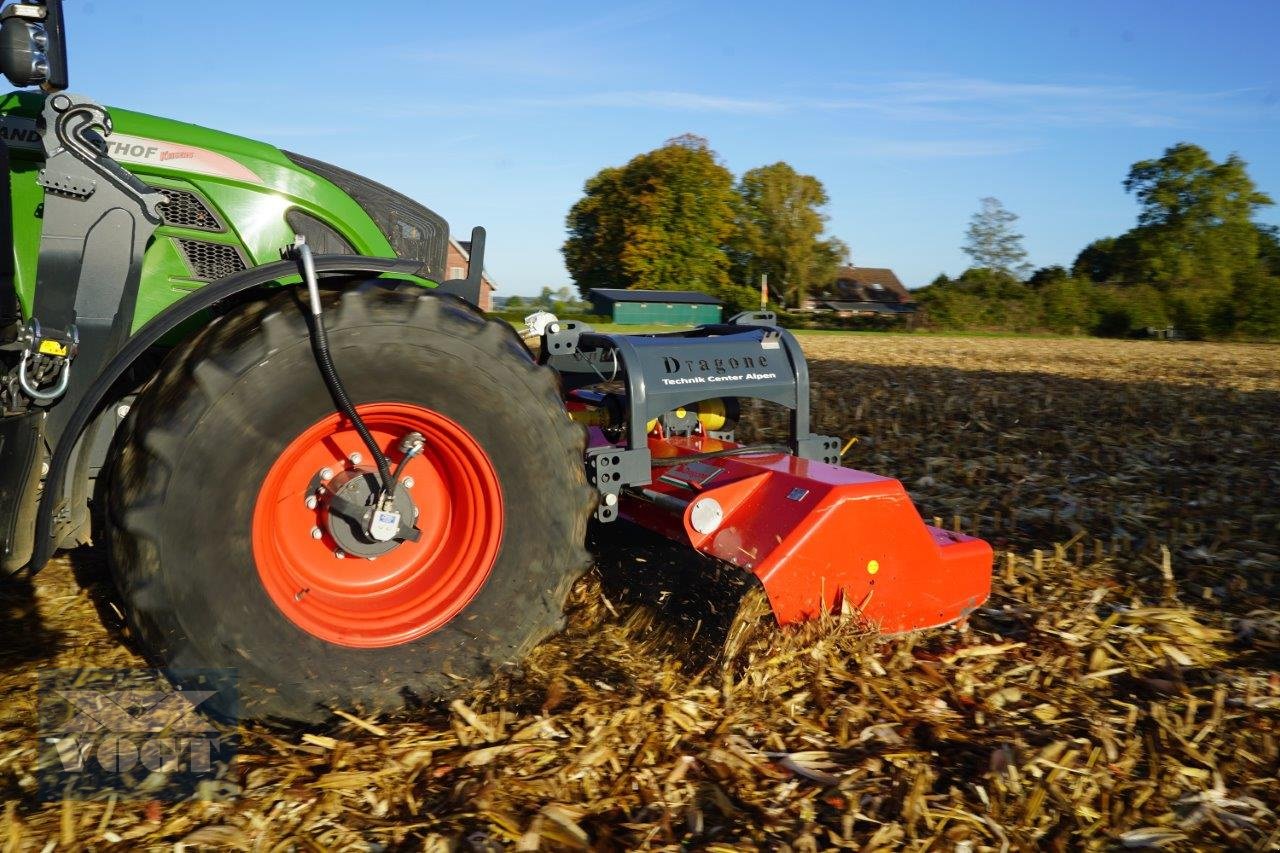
{"x": 187, "y": 210}
{"x": 211, "y": 261}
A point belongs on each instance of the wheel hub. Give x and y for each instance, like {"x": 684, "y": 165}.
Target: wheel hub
{"x": 347, "y": 504}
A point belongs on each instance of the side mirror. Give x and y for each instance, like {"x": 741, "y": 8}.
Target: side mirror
{"x": 33, "y": 45}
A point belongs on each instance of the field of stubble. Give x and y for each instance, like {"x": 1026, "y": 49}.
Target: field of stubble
{"x": 1121, "y": 689}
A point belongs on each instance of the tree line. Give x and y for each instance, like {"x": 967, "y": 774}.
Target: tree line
{"x": 676, "y": 219}
{"x": 1196, "y": 260}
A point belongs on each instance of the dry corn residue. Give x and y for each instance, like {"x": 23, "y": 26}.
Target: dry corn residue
{"x": 1119, "y": 690}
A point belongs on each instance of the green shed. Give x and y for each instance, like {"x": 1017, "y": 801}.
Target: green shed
{"x": 656, "y": 307}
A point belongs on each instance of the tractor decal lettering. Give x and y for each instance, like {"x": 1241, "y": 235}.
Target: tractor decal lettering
{"x": 20, "y": 132}
{"x": 172, "y": 155}
{"x": 731, "y": 377}
{"x": 717, "y": 366}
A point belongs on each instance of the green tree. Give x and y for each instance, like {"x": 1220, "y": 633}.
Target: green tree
{"x": 780, "y": 233}
{"x": 981, "y": 298}
{"x": 660, "y": 222}
{"x": 1069, "y": 306}
{"x": 1269, "y": 248}
{"x": 1256, "y": 305}
{"x": 1195, "y": 232}
{"x": 991, "y": 241}
{"x": 1047, "y": 275}
{"x": 1124, "y": 309}
{"x": 1104, "y": 260}
{"x": 1194, "y": 242}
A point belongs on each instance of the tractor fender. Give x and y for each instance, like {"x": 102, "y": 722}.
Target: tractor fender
{"x": 148, "y": 336}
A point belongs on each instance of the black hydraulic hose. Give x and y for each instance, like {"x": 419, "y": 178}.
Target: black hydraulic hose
{"x": 672, "y": 461}
{"x": 320, "y": 346}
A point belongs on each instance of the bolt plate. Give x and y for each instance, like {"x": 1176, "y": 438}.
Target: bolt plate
{"x": 357, "y": 486}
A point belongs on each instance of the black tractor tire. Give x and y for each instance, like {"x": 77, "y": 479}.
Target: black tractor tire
{"x": 202, "y": 436}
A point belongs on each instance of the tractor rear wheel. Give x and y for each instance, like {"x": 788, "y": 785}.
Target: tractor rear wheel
{"x": 225, "y": 551}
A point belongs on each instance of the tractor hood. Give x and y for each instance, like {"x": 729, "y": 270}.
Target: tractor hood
{"x": 337, "y": 201}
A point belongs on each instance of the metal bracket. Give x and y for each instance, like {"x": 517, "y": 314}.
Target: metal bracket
{"x": 561, "y": 338}
{"x": 67, "y": 184}
{"x": 610, "y": 469}
{"x": 820, "y": 448}
{"x": 98, "y": 219}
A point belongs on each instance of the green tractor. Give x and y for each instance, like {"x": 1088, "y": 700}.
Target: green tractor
{"x": 338, "y": 542}
{"x": 315, "y": 462}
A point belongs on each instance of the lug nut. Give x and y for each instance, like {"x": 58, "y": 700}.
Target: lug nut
{"x": 316, "y": 533}
{"x": 408, "y": 482}
{"x": 312, "y": 502}
{"x": 355, "y": 458}
{"x": 326, "y": 473}
{"x": 339, "y": 555}
{"x": 122, "y": 410}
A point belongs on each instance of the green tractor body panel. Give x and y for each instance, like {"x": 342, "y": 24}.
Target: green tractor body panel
{"x": 233, "y": 204}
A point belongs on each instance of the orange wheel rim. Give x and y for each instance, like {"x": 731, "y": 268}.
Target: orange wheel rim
{"x": 415, "y": 588}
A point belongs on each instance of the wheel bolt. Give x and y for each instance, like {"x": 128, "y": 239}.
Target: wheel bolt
{"x": 339, "y": 555}
{"x": 312, "y": 502}
{"x": 326, "y": 473}
{"x": 408, "y": 482}
{"x": 355, "y": 458}
{"x": 316, "y": 533}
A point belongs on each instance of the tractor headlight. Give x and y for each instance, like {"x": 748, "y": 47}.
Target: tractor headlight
{"x": 22, "y": 51}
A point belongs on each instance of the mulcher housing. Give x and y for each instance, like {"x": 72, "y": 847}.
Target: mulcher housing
{"x": 816, "y": 535}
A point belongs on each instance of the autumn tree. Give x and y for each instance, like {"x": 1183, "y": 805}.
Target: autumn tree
{"x": 660, "y": 222}
{"x": 991, "y": 241}
{"x": 780, "y": 233}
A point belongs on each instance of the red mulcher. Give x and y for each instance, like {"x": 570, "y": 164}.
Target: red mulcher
{"x": 661, "y": 410}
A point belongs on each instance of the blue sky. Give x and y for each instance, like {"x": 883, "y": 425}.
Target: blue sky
{"x": 495, "y": 113}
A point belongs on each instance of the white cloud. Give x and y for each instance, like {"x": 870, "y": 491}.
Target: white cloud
{"x": 937, "y": 149}
{"x": 1003, "y": 103}
{"x": 956, "y": 102}
{"x": 674, "y": 101}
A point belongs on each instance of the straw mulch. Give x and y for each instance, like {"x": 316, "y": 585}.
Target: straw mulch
{"x": 1119, "y": 690}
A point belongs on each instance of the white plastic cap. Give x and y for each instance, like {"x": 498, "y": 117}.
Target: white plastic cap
{"x": 535, "y": 325}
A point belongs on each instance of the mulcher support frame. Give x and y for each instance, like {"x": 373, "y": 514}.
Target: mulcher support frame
{"x": 817, "y": 536}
